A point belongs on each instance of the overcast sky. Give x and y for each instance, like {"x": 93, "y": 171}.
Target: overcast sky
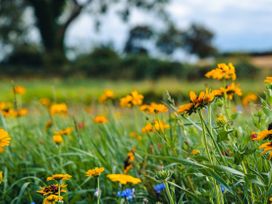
{"x": 238, "y": 24}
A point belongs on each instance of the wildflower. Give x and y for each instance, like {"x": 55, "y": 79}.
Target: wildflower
{"x": 147, "y": 128}
{"x": 52, "y": 189}
{"x": 59, "y": 177}
{"x": 4, "y": 139}
{"x": 133, "y": 99}
{"x": 154, "y": 108}
{"x": 22, "y": 112}
{"x": 222, "y": 71}
{"x": 135, "y": 135}
{"x": 268, "y": 80}
{"x": 261, "y": 135}
{"x": 95, "y": 172}
{"x": 221, "y": 119}
{"x": 159, "y": 188}
{"x": 195, "y": 152}
{"x": 197, "y": 101}
{"x": 100, "y": 119}
{"x": 1, "y": 177}
{"x": 267, "y": 147}
{"x": 107, "y": 95}
{"x": 97, "y": 192}
{"x": 126, "y": 101}
{"x": 249, "y": 98}
{"x": 222, "y": 187}
{"x": 52, "y": 199}
{"x": 60, "y": 108}
{"x": 123, "y": 179}
{"x": 232, "y": 89}
{"x": 58, "y": 139}
{"x": 66, "y": 131}
{"x": 128, "y": 194}
{"x": 160, "y": 125}
{"x": 19, "y": 90}
{"x": 45, "y": 101}
{"x": 129, "y": 160}
{"x": 185, "y": 108}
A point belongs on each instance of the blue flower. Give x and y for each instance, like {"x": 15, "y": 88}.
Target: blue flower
{"x": 159, "y": 187}
{"x": 222, "y": 188}
{"x": 127, "y": 194}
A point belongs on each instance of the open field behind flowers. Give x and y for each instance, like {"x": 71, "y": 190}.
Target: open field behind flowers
{"x": 214, "y": 146}
{"x": 86, "y": 91}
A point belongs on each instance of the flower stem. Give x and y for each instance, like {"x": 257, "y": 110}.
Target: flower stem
{"x": 98, "y": 190}
{"x": 170, "y": 198}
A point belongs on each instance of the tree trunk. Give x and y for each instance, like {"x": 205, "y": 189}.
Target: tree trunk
{"x": 51, "y": 32}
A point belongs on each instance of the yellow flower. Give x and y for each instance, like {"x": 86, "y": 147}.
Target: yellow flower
{"x": 100, "y": 119}
{"x": 129, "y": 160}
{"x": 19, "y": 90}
{"x": 60, "y": 108}
{"x": 45, "y": 101}
{"x": 4, "y": 139}
{"x": 52, "y": 199}
{"x": 231, "y": 90}
{"x": 185, "y": 108}
{"x": 123, "y": 179}
{"x": 58, "y": 139}
{"x": 261, "y": 135}
{"x": 137, "y": 99}
{"x": 22, "y": 112}
{"x": 66, "y": 131}
{"x": 154, "y": 108}
{"x": 156, "y": 125}
{"x": 1, "y": 177}
{"x": 126, "y": 101}
{"x": 107, "y": 95}
{"x": 197, "y": 101}
{"x": 147, "y": 128}
{"x": 221, "y": 119}
{"x": 222, "y": 71}
{"x": 95, "y": 172}
{"x": 135, "y": 135}
{"x": 267, "y": 147}
{"x": 195, "y": 152}
{"x": 160, "y": 125}
{"x": 268, "y": 80}
{"x": 59, "y": 177}
{"x": 249, "y": 98}
{"x": 134, "y": 99}
{"x": 52, "y": 189}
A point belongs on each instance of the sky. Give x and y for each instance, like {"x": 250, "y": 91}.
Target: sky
{"x": 238, "y": 24}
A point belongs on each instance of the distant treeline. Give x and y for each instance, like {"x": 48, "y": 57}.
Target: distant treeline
{"x": 104, "y": 62}
{"x": 251, "y": 54}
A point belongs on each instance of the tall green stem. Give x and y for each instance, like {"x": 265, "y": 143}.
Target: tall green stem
{"x": 170, "y": 198}
{"x": 98, "y": 190}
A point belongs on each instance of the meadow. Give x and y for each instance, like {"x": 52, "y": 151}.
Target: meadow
{"x": 165, "y": 141}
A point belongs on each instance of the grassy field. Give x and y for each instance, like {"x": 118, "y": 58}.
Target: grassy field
{"x": 85, "y": 91}
{"x": 204, "y": 149}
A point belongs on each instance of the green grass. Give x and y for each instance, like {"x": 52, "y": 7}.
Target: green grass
{"x": 82, "y": 90}
{"x": 228, "y": 169}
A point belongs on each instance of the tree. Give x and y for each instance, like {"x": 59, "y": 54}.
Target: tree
{"x": 12, "y": 28}
{"x": 198, "y": 40}
{"x": 53, "y": 17}
{"x": 137, "y": 37}
{"x": 170, "y": 40}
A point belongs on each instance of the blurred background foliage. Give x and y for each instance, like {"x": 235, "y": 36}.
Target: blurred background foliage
{"x": 22, "y": 57}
